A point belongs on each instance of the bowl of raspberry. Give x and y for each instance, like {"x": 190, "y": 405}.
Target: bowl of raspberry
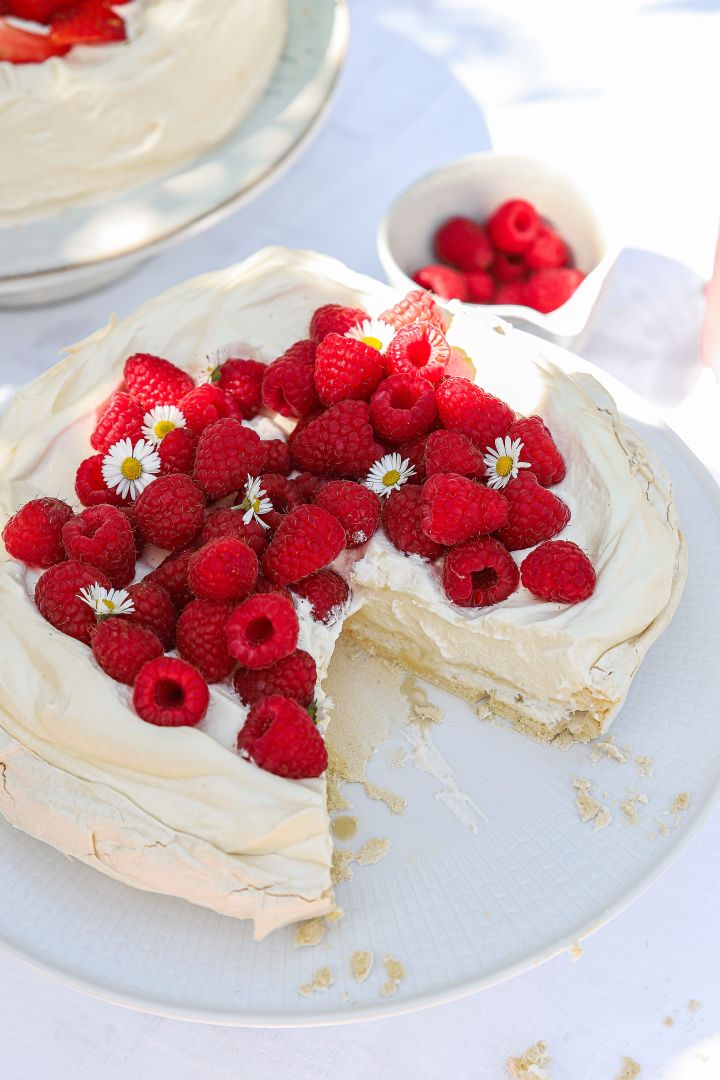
{"x": 508, "y": 233}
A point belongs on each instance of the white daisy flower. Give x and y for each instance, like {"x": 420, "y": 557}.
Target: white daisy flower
{"x": 373, "y": 332}
{"x": 160, "y": 421}
{"x": 503, "y": 462}
{"x": 255, "y": 503}
{"x": 389, "y": 474}
{"x": 211, "y": 372}
{"x": 129, "y": 469}
{"x": 106, "y": 602}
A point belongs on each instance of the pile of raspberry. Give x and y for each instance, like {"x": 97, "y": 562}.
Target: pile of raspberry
{"x": 242, "y": 530}
{"x": 515, "y": 257}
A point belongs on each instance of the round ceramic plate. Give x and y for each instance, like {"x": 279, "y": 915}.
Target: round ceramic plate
{"x": 87, "y": 246}
{"x": 490, "y": 869}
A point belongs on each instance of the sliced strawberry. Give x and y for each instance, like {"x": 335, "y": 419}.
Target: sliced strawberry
{"x": 87, "y": 23}
{"x": 22, "y": 47}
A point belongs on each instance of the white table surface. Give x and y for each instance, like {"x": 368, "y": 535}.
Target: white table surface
{"x": 618, "y": 91}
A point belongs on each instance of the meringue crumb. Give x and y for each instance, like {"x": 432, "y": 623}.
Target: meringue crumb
{"x": 372, "y": 851}
{"x": 361, "y": 963}
{"x": 581, "y": 783}
{"x": 603, "y": 819}
{"x": 644, "y": 765}
{"x": 394, "y": 803}
{"x": 630, "y": 1069}
{"x": 576, "y": 951}
{"x": 663, "y": 829}
{"x": 394, "y": 968}
{"x": 309, "y": 933}
{"x": 333, "y": 916}
{"x": 694, "y": 1005}
{"x": 344, "y": 827}
{"x": 587, "y": 807}
{"x": 682, "y": 801}
{"x": 321, "y": 980}
{"x": 532, "y": 1065}
{"x": 389, "y": 988}
{"x": 607, "y": 748}
{"x": 340, "y": 870}
{"x": 668, "y": 1021}
{"x": 629, "y": 809}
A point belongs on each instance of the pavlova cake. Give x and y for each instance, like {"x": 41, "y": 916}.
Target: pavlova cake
{"x": 203, "y": 496}
{"x": 100, "y": 95}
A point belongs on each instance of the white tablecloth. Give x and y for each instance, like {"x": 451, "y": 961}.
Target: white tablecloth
{"x": 617, "y": 91}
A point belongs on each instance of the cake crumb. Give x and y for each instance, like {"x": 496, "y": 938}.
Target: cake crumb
{"x": 335, "y": 798}
{"x": 603, "y": 819}
{"x": 372, "y": 851}
{"x": 576, "y": 951}
{"x": 533, "y": 1064}
{"x": 694, "y": 1005}
{"x": 587, "y": 807}
{"x": 563, "y": 740}
{"x": 361, "y": 963}
{"x": 682, "y": 801}
{"x": 629, "y": 809}
{"x": 644, "y": 765}
{"x": 341, "y": 861}
{"x": 394, "y": 803}
{"x": 321, "y": 980}
{"x": 581, "y": 783}
{"x": 333, "y": 916}
{"x": 663, "y": 829}
{"x": 395, "y": 972}
{"x": 309, "y": 933}
{"x": 388, "y": 988}
{"x": 344, "y": 827}
{"x": 396, "y": 757}
{"x": 668, "y": 1021}
{"x": 629, "y": 1070}
{"x": 607, "y": 748}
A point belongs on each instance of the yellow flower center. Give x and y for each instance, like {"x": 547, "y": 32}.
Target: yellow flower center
{"x": 163, "y": 428}
{"x": 248, "y": 505}
{"x": 373, "y": 342}
{"x": 109, "y": 604}
{"x": 131, "y": 468}
{"x": 504, "y": 465}
{"x": 391, "y": 478}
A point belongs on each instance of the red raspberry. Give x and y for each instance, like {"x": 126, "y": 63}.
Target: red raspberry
{"x": 417, "y": 306}
{"x": 550, "y": 289}
{"x": 512, "y": 293}
{"x": 334, "y": 319}
{"x": 558, "y": 570}
{"x": 152, "y": 381}
{"x": 304, "y": 350}
{"x": 479, "y": 573}
{"x": 308, "y": 486}
{"x": 289, "y": 385}
{"x": 539, "y": 450}
{"x": 171, "y": 511}
{"x": 56, "y": 595}
{"x": 227, "y": 453}
{"x": 403, "y": 406}
{"x": 171, "y": 575}
{"x": 346, "y": 369}
{"x": 418, "y": 349}
{"x": 513, "y": 226}
{"x": 480, "y": 287}
{"x": 279, "y": 737}
{"x": 242, "y": 381}
{"x": 464, "y": 407}
{"x": 356, "y": 508}
{"x": 463, "y": 244}
{"x": 128, "y": 512}
{"x": 154, "y": 610}
{"x": 262, "y": 630}
{"x": 204, "y": 405}
{"x": 442, "y": 280}
{"x": 339, "y": 442}
{"x": 414, "y": 451}
{"x": 121, "y": 648}
{"x": 402, "y": 521}
{"x": 34, "y": 534}
{"x": 547, "y": 249}
{"x": 308, "y": 539}
{"x": 177, "y": 451}
{"x": 455, "y": 508}
{"x": 326, "y": 592}
{"x": 90, "y": 487}
{"x": 264, "y": 585}
{"x": 283, "y": 496}
{"x": 535, "y": 514}
{"x": 228, "y": 521}
{"x": 201, "y": 638}
{"x": 122, "y": 418}
{"x": 170, "y": 693}
{"x": 224, "y": 569}
{"x": 294, "y": 677}
{"x": 508, "y": 269}
{"x": 277, "y": 456}
{"x": 101, "y": 536}
{"x": 451, "y": 452}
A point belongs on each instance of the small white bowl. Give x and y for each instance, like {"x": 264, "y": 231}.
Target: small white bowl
{"x": 474, "y": 186}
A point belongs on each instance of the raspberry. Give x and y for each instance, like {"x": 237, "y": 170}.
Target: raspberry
{"x": 90, "y": 487}
{"x": 279, "y": 737}
{"x": 170, "y": 693}
{"x": 535, "y": 514}
{"x": 539, "y": 450}
{"x": 303, "y": 351}
{"x": 154, "y": 610}
{"x": 224, "y": 569}
{"x": 508, "y": 269}
{"x": 201, "y": 638}
{"x": 547, "y": 249}
{"x": 346, "y": 369}
{"x": 101, "y": 536}
{"x": 264, "y": 585}
{"x": 308, "y": 486}
{"x": 308, "y": 539}
{"x": 334, "y": 319}
{"x": 227, "y": 453}
{"x": 558, "y": 570}
{"x": 326, "y": 592}
{"x": 242, "y": 381}
{"x": 152, "y": 381}
{"x": 277, "y": 456}
{"x": 402, "y": 522}
{"x": 356, "y": 508}
{"x": 417, "y": 306}
{"x": 550, "y": 289}
{"x": 452, "y": 452}
{"x": 128, "y": 512}
{"x": 204, "y": 405}
{"x": 122, "y": 418}
{"x": 463, "y": 244}
{"x": 283, "y": 496}
{"x": 339, "y": 442}
{"x": 171, "y": 575}
{"x": 442, "y": 280}
{"x": 403, "y": 406}
{"x": 455, "y": 508}
{"x": 511, "y": 293}
{"x": 34, "y": 534}
{"x": 464, "y": 407}
{"x": 418, "y": 349}
{"x": 171, "y": 511}
{"x": 414, "y": 451}
{"x": 513, "y": 226}
{"x": 294, "y": 677}
{"x": 262, "y": 630}
{"x": 121, "y": 648}
{"x": 56, "y": 595}
{"x": 289, "y": 386}
{"x": 177, "y": 451}
{"x": 480, "y": 287}
{"x": 479, "y": 573}
{"x": 228, "y": 521}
